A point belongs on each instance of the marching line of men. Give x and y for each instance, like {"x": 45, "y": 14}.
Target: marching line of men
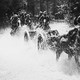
{"x": 23, "y": 18}
{"x": 66, "y": 43}
{"x": 20, "y": 19}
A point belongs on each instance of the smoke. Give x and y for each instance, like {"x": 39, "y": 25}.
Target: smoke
{"x": 20, "y": 60}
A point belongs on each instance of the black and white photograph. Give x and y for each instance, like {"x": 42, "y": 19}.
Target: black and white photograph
{"x": 39, "y": 39}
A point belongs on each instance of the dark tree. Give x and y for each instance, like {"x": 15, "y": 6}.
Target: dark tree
{"x": 75, "y": 7}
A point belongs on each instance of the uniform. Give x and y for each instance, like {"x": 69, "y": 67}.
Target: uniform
{"x": 14, "y": 21}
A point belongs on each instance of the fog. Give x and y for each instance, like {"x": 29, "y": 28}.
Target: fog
{"x": 21, "y": 60}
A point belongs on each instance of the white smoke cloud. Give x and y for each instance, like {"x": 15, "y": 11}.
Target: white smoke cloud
{"x": 20, "y": 60}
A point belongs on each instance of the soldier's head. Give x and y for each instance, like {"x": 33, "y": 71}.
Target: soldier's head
{"x": 15, "y": 15}
{"x": 40, "y": 12}
{"x": 45, "y": 12}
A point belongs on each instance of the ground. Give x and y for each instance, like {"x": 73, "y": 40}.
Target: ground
{"x": 20, "y": 60}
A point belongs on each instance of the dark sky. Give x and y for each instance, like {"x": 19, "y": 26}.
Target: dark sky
{"x": 6, "y": 6}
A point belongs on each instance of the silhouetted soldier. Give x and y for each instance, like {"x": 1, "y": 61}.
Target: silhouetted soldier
{"x": 46, "y": 20}
{"x": 22, "y": 18}
{"x": 40, "y": 14}
{"x": 28, "y": 21}
{"x": 72, "y": 36}
{"x": 14, "y": 22}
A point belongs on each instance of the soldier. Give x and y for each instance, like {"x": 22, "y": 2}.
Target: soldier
{"x": 41, "y": 18}
{"x": 27, "y": 18}
{"x": 22, "y": 18}
{"x": 14, "y": 22}
{"x": 28, "y": 21}
{"x": 40, "y": 14}
{"x": 46, "y": 20}
{"x": 72, "y": 36}
{"x": 40, "y": 40}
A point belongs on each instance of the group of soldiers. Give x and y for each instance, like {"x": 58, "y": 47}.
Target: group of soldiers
{"x": 44, "y": 19}
{"x": 69, "y": 43}
{"x": 22, "y": 18}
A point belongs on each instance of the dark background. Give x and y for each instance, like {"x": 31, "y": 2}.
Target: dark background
{"x": 57, "y": 8}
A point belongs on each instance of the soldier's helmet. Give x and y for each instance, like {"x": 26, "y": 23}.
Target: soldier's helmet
{"x": 15, "y": 15}
{"x": 45, "y": 12}
{"x": 28, "y": 15}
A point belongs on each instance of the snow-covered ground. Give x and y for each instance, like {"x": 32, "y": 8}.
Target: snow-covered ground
{"x": 20, "y": 60}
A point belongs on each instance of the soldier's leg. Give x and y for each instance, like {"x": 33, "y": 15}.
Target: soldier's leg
{"x": 26, "y": 36}
{"x": 58, "y": 53}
